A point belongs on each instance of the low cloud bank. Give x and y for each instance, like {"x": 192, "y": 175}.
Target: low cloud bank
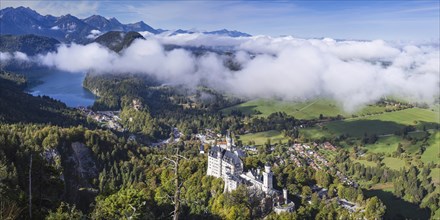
{"x": 354, "y": 73}
{"x": 17, "y": 56}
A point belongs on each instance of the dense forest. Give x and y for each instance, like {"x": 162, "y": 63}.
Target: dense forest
{"x": 80, "y": 173}
{"x": 56, "y": 163}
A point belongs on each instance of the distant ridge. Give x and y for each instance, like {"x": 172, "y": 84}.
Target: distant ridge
{"x": 29, "y": 44}
{"x": 68, "y": 28}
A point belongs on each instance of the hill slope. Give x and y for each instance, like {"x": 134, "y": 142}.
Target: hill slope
{"x": 18, "y": 106}
{"x": 29, "y": 44}
{"x": 118, "y": 40}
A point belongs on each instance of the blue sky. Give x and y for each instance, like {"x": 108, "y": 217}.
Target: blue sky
{"x": 389, "y": 20}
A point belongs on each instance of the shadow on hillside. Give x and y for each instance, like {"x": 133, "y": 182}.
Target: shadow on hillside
{"x": 358, "y": 128}
{"x": 427, "y": 125}
{"x": 398, "y": 208}
{"x": 252, "y": 109}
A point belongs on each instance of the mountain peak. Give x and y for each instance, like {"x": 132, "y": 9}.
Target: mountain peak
{"x": 226, "y": 32}
{"x": 22, "y": 10}
{"x": 68, "y": 28}
{"x": 95, "y": 18}
{"x": 141, "y": 26}
{"x": 103, "y": 24}
{"x": 68, "y": 16}
{"x": 113, "y": 19}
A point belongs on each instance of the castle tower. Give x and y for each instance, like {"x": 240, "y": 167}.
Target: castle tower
{"x": 267, "y": 178}
{"x": 229, "y": 141}
{"x": 219, "y": 162}
{"x": 285, "y": 196}
{"x": 215, "y": 162}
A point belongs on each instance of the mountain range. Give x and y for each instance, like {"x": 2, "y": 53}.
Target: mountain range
{"x": 68, "y": 28}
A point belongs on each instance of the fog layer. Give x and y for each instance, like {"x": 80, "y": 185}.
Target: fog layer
{"x": 354, "y": 73}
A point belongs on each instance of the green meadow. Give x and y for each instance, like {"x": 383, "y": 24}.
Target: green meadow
{"x": 432, "y": 152}
{"x": 386, "y": 123}
{"x": 302, "y": 110}
{"x": 261, "y": 138}
{"x": 394, "y": 163}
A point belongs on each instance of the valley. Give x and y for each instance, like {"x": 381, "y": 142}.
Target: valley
{"x": 103, "y": 118}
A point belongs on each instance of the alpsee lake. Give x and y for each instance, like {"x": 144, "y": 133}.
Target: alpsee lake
{"x": 60, "y": 85}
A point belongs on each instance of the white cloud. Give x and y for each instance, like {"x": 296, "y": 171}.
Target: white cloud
{"x": 354, "y": 73}
{"x": 76, "y": 58}
{"x": 94, "y": 34}
{"x": 19, "y": 56}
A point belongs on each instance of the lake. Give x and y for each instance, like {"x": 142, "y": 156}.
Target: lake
{"x": 60, "y": 85}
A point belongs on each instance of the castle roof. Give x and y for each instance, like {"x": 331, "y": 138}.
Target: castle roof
{"x": 226, "y": 155}
{"x": 231, "y": 158}
{"x": 213, "y": 152}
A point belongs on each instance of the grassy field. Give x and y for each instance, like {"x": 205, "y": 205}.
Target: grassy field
{"x": 412, "y": 116}
{"x": 358, "y": 128}
{"x": 315, "y": 133}
{"x": 383, "y": 124}
{"x": 365, "y": 162}
{"x": 387, "y": 187}
{"x": 435, "y": 175}
{"x": 301, "y": 110}
{"x": 432, "y": 151}
{"x": 388, "y": 144}
{"x": 385, "y": 144}
{"x": 261, "y": 137}
{"x": 394, "y": 163}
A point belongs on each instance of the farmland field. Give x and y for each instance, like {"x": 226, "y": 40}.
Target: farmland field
{"x": 394, "y": 163}
{"x": 411, "y": 116}
{"x": 261, "y": 137}
{"x": 366, "y": 162}
{"x": 386, "y": 123}
{"x": 435, "y": 175}
{"x": 386, "y": 144}
{"x": 432, "y": 151}
{"x": 302, "y": 110}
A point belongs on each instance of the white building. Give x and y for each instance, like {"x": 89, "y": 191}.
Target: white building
{"x": 224, "y": 162}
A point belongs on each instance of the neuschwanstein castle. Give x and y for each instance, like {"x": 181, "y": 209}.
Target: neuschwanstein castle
{"x": 224, "y": 162}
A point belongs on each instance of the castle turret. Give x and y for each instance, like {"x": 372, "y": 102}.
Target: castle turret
{"x": 267, "y": 178}
{"x": 219, "y": 153}
{"x": 229, "y": 141}
{"x": 285, "y": 196}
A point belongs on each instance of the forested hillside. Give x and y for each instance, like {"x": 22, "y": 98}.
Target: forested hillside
{"x": 28, "y": 44}
{"x": 18, "y": 106}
